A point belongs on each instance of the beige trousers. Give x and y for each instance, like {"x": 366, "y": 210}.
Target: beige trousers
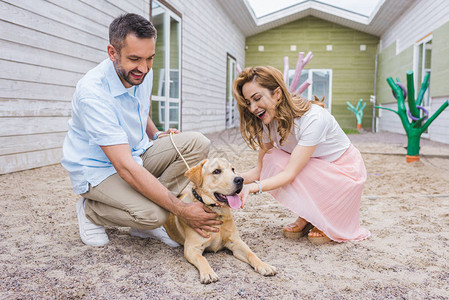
{"x": 115, "y": 203}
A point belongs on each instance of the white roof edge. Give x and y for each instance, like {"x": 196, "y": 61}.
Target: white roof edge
{"x": 384, "y": 14}
{"x": 376, "y": 10}
{"x": 251, "y": 11}
{"x": 313, "y": 5}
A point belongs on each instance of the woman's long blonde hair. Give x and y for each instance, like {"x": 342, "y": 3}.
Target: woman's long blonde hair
{"x": 290, "y": 106}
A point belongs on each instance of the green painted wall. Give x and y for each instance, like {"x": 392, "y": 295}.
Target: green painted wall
{"x": 395, "y": 66}
{"x": 353, "y": 70}
{"x": 439, "y": 78}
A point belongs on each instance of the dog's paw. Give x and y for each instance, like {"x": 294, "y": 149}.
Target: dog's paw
{"x": 266, "y": 269}
{"x": 208, "y": 277}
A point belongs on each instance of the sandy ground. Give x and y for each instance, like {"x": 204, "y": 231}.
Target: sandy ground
{"x": 406, "y": 207}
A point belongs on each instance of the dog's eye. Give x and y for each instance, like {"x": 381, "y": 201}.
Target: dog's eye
{"x": 233, "y": 170}
{"x": 217, "y": 171}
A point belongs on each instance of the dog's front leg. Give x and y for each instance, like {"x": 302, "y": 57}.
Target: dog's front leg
{"x": 194, "y": 255}
{"x": 244, "y": 253}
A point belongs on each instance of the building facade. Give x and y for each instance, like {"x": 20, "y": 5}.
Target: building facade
{"x": 417, "y": 41}
{"x": 47, "y": 46}
{"x": 342, "y": 68}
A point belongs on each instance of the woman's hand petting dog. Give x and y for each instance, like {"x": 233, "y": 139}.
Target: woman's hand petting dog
{"x": 244, "y": 194}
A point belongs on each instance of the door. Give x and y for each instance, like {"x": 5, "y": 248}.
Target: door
{"x": 166, "y": 68}
{"x": 231, "y": 107}
{"x": 421, "y": 67}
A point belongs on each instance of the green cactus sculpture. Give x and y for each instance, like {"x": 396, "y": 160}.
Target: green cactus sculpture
{"x": 418, "y": 123}
{"x": 358, "y": 112}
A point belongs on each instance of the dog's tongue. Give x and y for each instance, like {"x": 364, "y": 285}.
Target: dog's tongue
{"x": 234, "y": 201}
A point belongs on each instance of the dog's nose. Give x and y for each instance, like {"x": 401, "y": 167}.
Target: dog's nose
{"x": 238, "y": 181}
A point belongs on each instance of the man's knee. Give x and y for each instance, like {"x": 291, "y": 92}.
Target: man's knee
{"x": 200, "y": 143}
{"x": 151, "y": 218}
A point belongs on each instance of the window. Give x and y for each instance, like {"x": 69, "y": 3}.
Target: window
{"x": 168, "y": 57}
{"x": 321, "y": 86}
{"x": 421, "y": 67}
{"x": 231, "y": 111}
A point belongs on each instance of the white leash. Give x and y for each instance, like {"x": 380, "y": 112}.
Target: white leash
{"x": 174, "y": 145}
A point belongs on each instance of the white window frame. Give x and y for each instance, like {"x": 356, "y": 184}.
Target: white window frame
{"x": 416, "y": 67}
{"x": 231, "y": 103}
{"x": 163, "y": 117}
{"x": 166, "y": 80}
{"x": 310, "y": 88}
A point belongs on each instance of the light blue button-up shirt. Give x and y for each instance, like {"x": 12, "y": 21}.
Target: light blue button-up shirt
{"x": 104, "y": 113}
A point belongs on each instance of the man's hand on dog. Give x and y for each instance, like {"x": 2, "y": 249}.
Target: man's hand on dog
{"x": 200, "y": 218}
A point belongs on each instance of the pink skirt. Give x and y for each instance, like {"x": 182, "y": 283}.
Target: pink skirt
{"x": 326, "y": 194}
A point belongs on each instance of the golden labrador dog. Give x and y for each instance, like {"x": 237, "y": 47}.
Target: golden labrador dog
{"x": 216, "y": 185}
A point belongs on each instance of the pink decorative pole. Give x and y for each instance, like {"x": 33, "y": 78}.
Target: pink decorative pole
{"x": 238, "y": 69}
{"x": 286, "y": 69}
{"x": 303, "y": 86}
{"x": 300, "y": 64}
{"x": 297, "y": 74}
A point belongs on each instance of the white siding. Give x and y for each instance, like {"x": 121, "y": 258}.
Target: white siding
{"x": 422, "y": 18}
{"x": 207, "y": 35}
{"x": 389, "y": 121}
{"x": 49, "y": 45}
{"x": 439, "y": 129}
{"x": 419, "y": 20}
{"x": 46, "y": 47}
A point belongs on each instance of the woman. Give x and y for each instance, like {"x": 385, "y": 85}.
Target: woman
{"x": 305, "y": 159}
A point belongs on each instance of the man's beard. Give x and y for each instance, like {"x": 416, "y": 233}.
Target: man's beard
{"x": 122, "y": 73}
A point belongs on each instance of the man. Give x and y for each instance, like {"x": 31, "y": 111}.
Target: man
{"x": 127, "y": 174}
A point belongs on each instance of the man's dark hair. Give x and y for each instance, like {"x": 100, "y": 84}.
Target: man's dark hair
{"x": 129, "y": 23}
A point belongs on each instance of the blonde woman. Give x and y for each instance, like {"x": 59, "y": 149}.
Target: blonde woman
{"x": 306, "y": 161}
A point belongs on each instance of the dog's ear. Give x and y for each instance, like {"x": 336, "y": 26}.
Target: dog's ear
{"x": 318, "y": 101}
{"x": 195, "y": 174}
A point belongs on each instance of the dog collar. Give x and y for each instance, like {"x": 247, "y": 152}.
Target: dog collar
{"x": 198, "y": 197}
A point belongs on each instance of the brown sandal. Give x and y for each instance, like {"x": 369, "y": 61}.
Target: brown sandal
{"x": 318, "y": 240}
{"x": 292, "y": 231}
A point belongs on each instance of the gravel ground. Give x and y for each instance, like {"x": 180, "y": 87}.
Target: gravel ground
{"x": 405, "y": 206}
